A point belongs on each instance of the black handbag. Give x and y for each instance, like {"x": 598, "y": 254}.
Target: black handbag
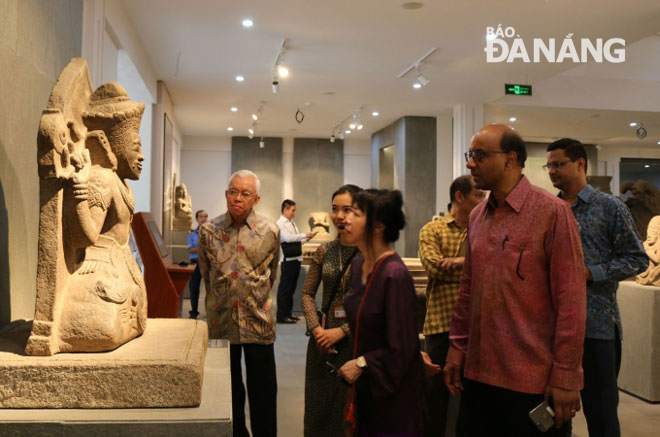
{"x": 292, "y": 250}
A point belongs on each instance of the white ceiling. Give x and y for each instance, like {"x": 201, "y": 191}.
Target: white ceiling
{"x": 355, "y": 49}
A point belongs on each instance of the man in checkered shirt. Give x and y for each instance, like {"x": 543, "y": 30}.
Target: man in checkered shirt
{"x": 442, "y": 250}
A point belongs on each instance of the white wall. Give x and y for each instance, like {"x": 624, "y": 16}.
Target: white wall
{"x": 205, "y": 169}
{"x": 444, "y": 159}
{"x": 357, "y": 162}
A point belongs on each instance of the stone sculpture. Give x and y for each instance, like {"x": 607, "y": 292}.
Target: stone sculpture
{"x": 319, "y": 222}
{"x": 601, "y": 183}
{"x": 90, "y": 292}
{"x": 182, "y": 209}
{"x": 644, "y": 203}
{"x": 652, "y": 245}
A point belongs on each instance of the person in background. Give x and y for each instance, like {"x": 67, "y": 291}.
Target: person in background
{"x": 612, "y": 253}
{"x": 442, "y": 253}
{"x": 386, "y": 369}
{"x": 517, "y": 330}
{"x": 290, "y": 264}
{"x": 193, "y": 285}
{"x": 325, "y": 393}
{"x": 238, "y": 253}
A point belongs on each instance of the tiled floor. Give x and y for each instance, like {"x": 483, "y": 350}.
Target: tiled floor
{"x": 638, "y": 418}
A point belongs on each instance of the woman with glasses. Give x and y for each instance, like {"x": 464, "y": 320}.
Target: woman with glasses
{"x": 386, "y": 366}
{"x": 329, "y": 346}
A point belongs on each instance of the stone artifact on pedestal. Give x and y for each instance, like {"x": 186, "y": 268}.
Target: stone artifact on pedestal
{"x": 601, "y": 183}
{"x": 652, "y": 246}
{"x": 319, "y": 222}
{"x": 182, "y": 209}
{"x": 90, "y": 292}
{"x": 644, "y": 204}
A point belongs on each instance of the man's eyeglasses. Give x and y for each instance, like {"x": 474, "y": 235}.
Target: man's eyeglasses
{"x": 234, "y": 193}
{"x": 556, "y": 165}
{"x": 479, "y": 154}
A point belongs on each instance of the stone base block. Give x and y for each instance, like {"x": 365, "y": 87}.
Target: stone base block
{"x": 162, "y": 368}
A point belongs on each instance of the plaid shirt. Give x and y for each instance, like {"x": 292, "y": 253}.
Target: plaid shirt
{"x": 438, "y": 239}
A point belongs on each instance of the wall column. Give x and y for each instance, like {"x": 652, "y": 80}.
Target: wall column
{"x": 468, "y": 117}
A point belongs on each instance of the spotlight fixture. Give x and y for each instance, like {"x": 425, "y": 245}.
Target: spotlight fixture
{"x": 352, "y": 126}
{"x": 359, "y": 127}
{"x": 633, "y": 124}
{"x": 641, "y": 131}
{"x": 230, "y": 128}
{"x": 255, "y": 117}
{"x": 247, "y": 23}
{"x": 375, "y": 114}
{"x": 421, "y": 80}
{"x": 347, "y": 131}
{"x": 234, "y": 109}
{"x": 239, "y": 78}
{"x": 280, "y": 71}
{"x": 251, "y": 131}
{"x": 261, "y": 143}
{"x": 332, "y": 138}
{"x": 512, "y": 119}
{"x": 341, "y": 136}
{"x": 347, "y": 125}
{"x": 646, "y": 166}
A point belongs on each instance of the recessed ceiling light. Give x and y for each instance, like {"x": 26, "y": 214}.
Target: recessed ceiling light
{"x": 247, "y": 23}
{"x": 348, "y": 131}
{"x": 417, "y": 85}
{"x": 239, "y": 78}
{"x": 234, "y": 109}
{"x": 375, "y": 114}
{"x": 633, "y": 124}
{"x": 230, "y": 128}
{"x": 512, "y": 119}
{"x": 646, "y": 166}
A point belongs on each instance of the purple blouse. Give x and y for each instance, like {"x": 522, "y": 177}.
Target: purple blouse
{"x": 390, "y": 393}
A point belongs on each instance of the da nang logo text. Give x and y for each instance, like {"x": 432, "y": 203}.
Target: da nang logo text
{"x": 498, "y": 49}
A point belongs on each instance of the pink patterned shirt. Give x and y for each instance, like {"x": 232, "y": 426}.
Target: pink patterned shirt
{"x": 519, "y": 320}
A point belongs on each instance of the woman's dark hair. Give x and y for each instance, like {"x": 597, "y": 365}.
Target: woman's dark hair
{"x": 384, "y": 206}
{"x": 348, "y": 188}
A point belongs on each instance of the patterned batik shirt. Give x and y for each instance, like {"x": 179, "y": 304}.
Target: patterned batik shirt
{"x": 239, "y": 265}
{"x": 612, "y": 253}
{"x": 438, "y": 239}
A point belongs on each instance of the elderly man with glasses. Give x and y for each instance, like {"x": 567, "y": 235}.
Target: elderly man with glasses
{"x": 518, "y": 324}
{"x": 238, "y": 255}
{"x": 612, "y": 253}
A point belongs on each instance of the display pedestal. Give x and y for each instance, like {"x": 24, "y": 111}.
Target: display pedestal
{"x": 640, "y": 362}
{"x": 211, "y": 418}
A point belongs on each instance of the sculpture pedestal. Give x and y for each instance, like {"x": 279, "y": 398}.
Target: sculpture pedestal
{"x": 211, "y": 418}
{"x": 162, "y": 368}
{"x": 640, "y": 348}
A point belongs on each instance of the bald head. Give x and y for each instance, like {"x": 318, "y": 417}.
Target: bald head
{"x": 504, "y": 137}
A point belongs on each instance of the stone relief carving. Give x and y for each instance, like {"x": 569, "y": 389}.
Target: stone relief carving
{"x": 652, "y": 245}
{"x": 182, "y": 209}
{"x": 319, "y": 222}
{"x": 90, "y": 292}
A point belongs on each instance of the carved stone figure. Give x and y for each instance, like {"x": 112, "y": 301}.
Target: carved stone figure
{"x": 90, "y": 291}
{"x": 182, "y": 209}
{"x": 645, "y": 203}
{"x": 652, "y": 245}
{"x": 319, "y": 222}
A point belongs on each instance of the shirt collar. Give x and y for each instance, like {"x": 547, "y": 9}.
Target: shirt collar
{"x": 516, "y": 198}
{"x": 251, "y": 220}
{"x": 584, "y": 194}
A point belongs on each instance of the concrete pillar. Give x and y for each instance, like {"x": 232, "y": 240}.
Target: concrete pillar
{"x": 468, "y": 117}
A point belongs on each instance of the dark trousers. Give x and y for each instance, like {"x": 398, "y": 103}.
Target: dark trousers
{"x": 288, "y": 281}
{"x": 498, "y": 412}
{"x": 437, "y": 395}
{"x": 193, "y": 286}
{"x": 600, "y": 396}
{"x": 261, "y": 389}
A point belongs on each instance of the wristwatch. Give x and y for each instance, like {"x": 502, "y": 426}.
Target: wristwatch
{"x": 362, "y": 362}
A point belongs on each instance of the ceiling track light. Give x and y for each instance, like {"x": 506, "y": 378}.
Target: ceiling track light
{"x": 262, "y": 144}
{"x": 348, "y": 124}
{"x": 420, "y": 80}
{"x": 280, "y": 71}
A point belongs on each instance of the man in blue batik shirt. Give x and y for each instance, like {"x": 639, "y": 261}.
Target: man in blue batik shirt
{"x": 612, "y": 253}
{"x": 201, "y": 216}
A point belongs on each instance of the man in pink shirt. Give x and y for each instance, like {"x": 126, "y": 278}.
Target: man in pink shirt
{"x": 517, "y": 331}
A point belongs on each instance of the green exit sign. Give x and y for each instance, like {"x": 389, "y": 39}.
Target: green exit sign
{"x": 518, "y": 90}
